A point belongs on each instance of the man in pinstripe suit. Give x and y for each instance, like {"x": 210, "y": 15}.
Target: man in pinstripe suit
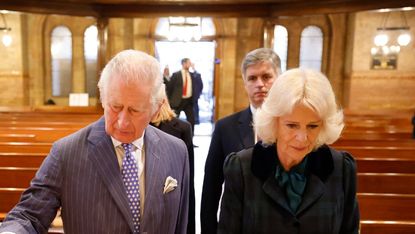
{"x": 82, "y": 173}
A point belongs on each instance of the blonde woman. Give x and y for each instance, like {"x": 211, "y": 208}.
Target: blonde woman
{"x": 166, "y": 121}
{"x": 292, "y": 181}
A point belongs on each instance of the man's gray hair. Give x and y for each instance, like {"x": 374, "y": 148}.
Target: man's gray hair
{"x": 134, "y": 67}
{"x": 261, "y": 55}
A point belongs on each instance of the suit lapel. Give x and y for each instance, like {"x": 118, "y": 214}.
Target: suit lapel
{"x": 275, "y": 193}
{"x": 319, "y": 167}
{"x": 264, "y": 161}
{"x": 151, "y": 163}
{"x": 102, "y": 154}
{"x": 314, "y": 190}
{"x": 246, "y": 132}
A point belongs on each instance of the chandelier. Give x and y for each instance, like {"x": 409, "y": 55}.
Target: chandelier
{"x": 6, "y": 39}
{"x": 390, "y": 39}
{"x": 185, "y": 29}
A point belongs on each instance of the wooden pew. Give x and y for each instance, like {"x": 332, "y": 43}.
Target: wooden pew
{"x": 8, "y": 197}
{"x": 393, "y": 183}
{"x": 384, "y": 151}
{"x": 25, "y": 147}
{"x": 384, "y": 164}
{"x": 41, "y": 134}
{"x": 375, "y": 135}
{"x": 378, "y": 151}
{"x": 387, "y": 207}
{"x": 386, "y": 227}
{"x": 6, "y": 137}
{"x": 386, "y": 213}
{"x": 16, "y": 177}
{"x": 13, "y": 159}
{"x": 385, "y": 143}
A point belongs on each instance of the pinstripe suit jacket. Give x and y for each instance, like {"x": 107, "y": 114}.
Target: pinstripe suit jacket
{"x": 81, "y": 174}
{"x": 253, "y": 202}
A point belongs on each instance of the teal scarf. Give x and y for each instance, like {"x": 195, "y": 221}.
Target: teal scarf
{"x": 293, "y": 182}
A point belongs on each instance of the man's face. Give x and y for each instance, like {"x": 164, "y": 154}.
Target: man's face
{"x": 258, "y": 80}
{"x": 187, "y": 64}
{"x": 127, "y": 110}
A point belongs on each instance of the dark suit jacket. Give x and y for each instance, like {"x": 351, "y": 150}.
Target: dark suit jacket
{"x": 183, "y": 130}
{"x": 82, "y": 174}
{"x": 175, "y": 89}
{"x": 253, "y": 202}
{"x": 231, "y": 134}
{"x": 197, "y": 86}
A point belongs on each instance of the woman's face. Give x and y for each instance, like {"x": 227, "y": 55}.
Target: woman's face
{"x": 297, "y": 133}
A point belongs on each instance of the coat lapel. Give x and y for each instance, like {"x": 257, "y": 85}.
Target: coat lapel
{"x": 152, "y": 161}
{"x": 246, "y": 133}
{"x": 102, "y": 154}
{"x": 319, "y": 167}
{"x": 275, "y": 193}
{"x": 264, "y": 161}
{"x": 314, "y": 190}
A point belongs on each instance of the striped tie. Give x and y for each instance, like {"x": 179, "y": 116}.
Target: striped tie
{"x": 129, "y": 172}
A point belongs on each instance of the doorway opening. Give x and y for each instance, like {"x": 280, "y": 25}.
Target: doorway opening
{"x": 202, "y": 54}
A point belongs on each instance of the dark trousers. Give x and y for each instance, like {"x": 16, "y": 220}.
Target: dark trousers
{"x": 196, "y": 111}
{"x": 186, "y": 105}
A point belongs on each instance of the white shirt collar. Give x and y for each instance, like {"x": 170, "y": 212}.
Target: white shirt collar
{"x": 253, "y": 109}
{"x": 137, "y": 143}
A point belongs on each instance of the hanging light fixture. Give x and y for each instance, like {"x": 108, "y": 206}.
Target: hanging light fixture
{"x": 6, "y": 38}
{"x": 185, "y": 28}
{"x": 387, "y": 41}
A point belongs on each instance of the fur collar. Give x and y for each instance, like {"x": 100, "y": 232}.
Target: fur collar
{"x": 265, "y": 160}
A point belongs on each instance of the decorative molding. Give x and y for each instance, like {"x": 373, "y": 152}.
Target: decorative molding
{"x": 383, "y": 76}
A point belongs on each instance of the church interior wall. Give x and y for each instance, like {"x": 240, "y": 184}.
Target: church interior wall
{"x": 25, "y": 65}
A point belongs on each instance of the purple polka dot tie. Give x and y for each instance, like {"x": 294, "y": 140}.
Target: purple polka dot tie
{"x": 131, "y": 182}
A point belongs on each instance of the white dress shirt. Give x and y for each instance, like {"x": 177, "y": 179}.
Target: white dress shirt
{"x": 139, "y": 156}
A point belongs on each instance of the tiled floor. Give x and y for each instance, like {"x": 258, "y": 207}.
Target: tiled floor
{"x": 202, "y": 140}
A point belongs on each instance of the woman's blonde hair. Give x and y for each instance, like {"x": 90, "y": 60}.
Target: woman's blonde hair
{"x": 300, "y": 86}
{"x": 165, "y": 113}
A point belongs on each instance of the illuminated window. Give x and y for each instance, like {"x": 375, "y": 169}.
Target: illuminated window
{"x": 91, "y": 56}
{"x": 61, "y": 50}
{"x": 281, "y": 44}
{"x": 311, "y": 49}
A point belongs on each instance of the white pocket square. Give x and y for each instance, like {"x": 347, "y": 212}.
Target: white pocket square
{"x": 169, "y": 185}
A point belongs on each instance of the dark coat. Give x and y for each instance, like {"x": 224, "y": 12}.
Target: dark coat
{"x": 182, "y": 130}
{"x": 254, "y": 203}
{"x": 231, "y": 134}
